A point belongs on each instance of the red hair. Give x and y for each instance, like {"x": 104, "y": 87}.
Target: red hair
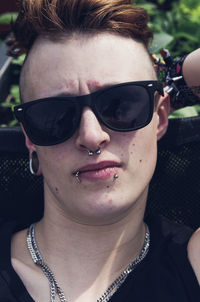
{"x": 57, "y": 17}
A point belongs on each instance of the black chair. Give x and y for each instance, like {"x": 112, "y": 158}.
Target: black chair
{"x": 21, "y": 193}
{"x": 174, "y": 190}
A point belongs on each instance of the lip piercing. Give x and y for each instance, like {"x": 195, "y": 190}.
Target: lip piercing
{"x": 91, "y": 153}
{"x": 77, "y": 176}
{"x": 115, "y": 177}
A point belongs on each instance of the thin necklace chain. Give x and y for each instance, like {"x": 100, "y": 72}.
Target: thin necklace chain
{"x": 53, "y": 284}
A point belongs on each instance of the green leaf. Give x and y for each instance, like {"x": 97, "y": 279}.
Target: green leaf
{"x": 19, "y": 60}
{"x": 186, "y": 36}
{"x": 13, "y": 123}
{"x": 15, "y": 93}
{"x": 6, "y": 105}
{"x": 160, "y": 41}
{"x": 7, "y": 18}
{"x": 185, "y": 112}
{"x": 150, "y": 7}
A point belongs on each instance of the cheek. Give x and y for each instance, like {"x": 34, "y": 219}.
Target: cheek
{"x": 54, "y": 162}
{"x": 54, "y": 155}
{"x": 142, "y": 147}
{"x": 147, "y": 148}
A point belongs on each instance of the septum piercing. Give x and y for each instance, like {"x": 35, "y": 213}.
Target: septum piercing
{"x": 91, "y": 153}
{"x": 98, "y": 151}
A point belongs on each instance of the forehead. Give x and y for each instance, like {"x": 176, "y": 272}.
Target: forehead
{"x": 82, "y": 63}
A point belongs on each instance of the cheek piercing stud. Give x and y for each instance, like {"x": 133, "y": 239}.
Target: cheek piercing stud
{"x": 115, "y": 177}
{"x": 77, "y": 176}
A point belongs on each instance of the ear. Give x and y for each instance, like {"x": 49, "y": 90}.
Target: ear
{"x": 30, "y": 146}
{"x": 163, "y": 111}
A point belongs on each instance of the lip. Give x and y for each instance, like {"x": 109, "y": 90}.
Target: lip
{"x": 101, "y": 170}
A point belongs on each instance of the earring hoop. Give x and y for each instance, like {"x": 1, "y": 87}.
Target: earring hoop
{"x": 34, "y": 163}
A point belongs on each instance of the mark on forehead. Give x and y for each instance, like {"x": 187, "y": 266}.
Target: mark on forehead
{"x": 93, "y": 85}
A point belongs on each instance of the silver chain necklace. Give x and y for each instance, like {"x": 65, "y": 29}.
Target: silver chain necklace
{"x": 53, "y": 284}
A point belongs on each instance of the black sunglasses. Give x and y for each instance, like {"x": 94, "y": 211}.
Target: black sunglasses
{"x": 122, "y": 107}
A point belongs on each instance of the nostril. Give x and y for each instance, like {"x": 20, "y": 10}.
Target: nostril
{"x": 91, "y": 135}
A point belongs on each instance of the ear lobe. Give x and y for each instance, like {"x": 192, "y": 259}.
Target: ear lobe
{"x": 30, "y": 146}
{"x": 163, "y": 111}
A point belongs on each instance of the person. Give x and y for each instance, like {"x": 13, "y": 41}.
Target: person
{"x": 92, "y": 112}
{"x": 193, "y": 252}
{"x": 180, "y": 77}
{"x": 191, "y": 67}
{"x": 192, "y": 77}
{"x": 184, "y": 91}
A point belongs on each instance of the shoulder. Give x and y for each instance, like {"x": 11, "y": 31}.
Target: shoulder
{"x": 11, "y": 285}
{"x": 169, "y": 242}
{"x": 194, "y": 252}
{"x": 168, "y": 257}
{"x": 7, "y": 231}
{"x": 164, "y": 230}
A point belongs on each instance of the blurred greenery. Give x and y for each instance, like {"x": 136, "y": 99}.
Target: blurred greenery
{"x": 176, "y": 26}
{"x": 7, "y": 18}
{"x": 13, "y": 98}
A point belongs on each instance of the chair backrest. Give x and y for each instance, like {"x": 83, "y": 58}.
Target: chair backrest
{"x": 174, "y": 190}
{"x": 21, "y": 193}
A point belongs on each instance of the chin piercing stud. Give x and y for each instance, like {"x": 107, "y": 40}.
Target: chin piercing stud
{"x": 77, "y": 176}
{"x": 115, "y": 177}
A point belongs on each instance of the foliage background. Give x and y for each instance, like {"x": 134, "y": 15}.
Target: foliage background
{"x": 176, "y": 26}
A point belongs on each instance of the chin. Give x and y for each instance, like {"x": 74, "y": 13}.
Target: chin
{"x": 104, "y": 213}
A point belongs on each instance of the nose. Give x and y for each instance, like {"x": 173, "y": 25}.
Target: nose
{"x": 91, "y": 134}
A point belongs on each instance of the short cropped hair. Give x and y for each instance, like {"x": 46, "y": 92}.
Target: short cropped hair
{"x": 55, "y": 18}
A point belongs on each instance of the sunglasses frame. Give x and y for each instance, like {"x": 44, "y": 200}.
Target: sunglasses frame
{"x": 88, "y": 100}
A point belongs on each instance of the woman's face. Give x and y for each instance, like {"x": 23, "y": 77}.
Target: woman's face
{"x": 78, "y": 65}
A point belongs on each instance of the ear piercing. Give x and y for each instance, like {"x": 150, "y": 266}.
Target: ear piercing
{"x": 91, "y": 153}
{"x": 34, "y": 163}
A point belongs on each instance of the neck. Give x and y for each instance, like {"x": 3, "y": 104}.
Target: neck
{"x": 76, "y": 241}
{"x": 103, "y": 251}
{"x": 73, "y": 238}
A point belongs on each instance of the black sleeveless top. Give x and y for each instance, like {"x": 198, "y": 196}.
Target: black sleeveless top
{"x": 165, "y": 275}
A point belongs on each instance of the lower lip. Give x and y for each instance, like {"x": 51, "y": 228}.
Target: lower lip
{"x": 99, "y": 174}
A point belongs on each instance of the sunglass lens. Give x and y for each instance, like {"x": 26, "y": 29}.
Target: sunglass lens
{"x": 125, "y": 107}
{"x": 50, "y": 122}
